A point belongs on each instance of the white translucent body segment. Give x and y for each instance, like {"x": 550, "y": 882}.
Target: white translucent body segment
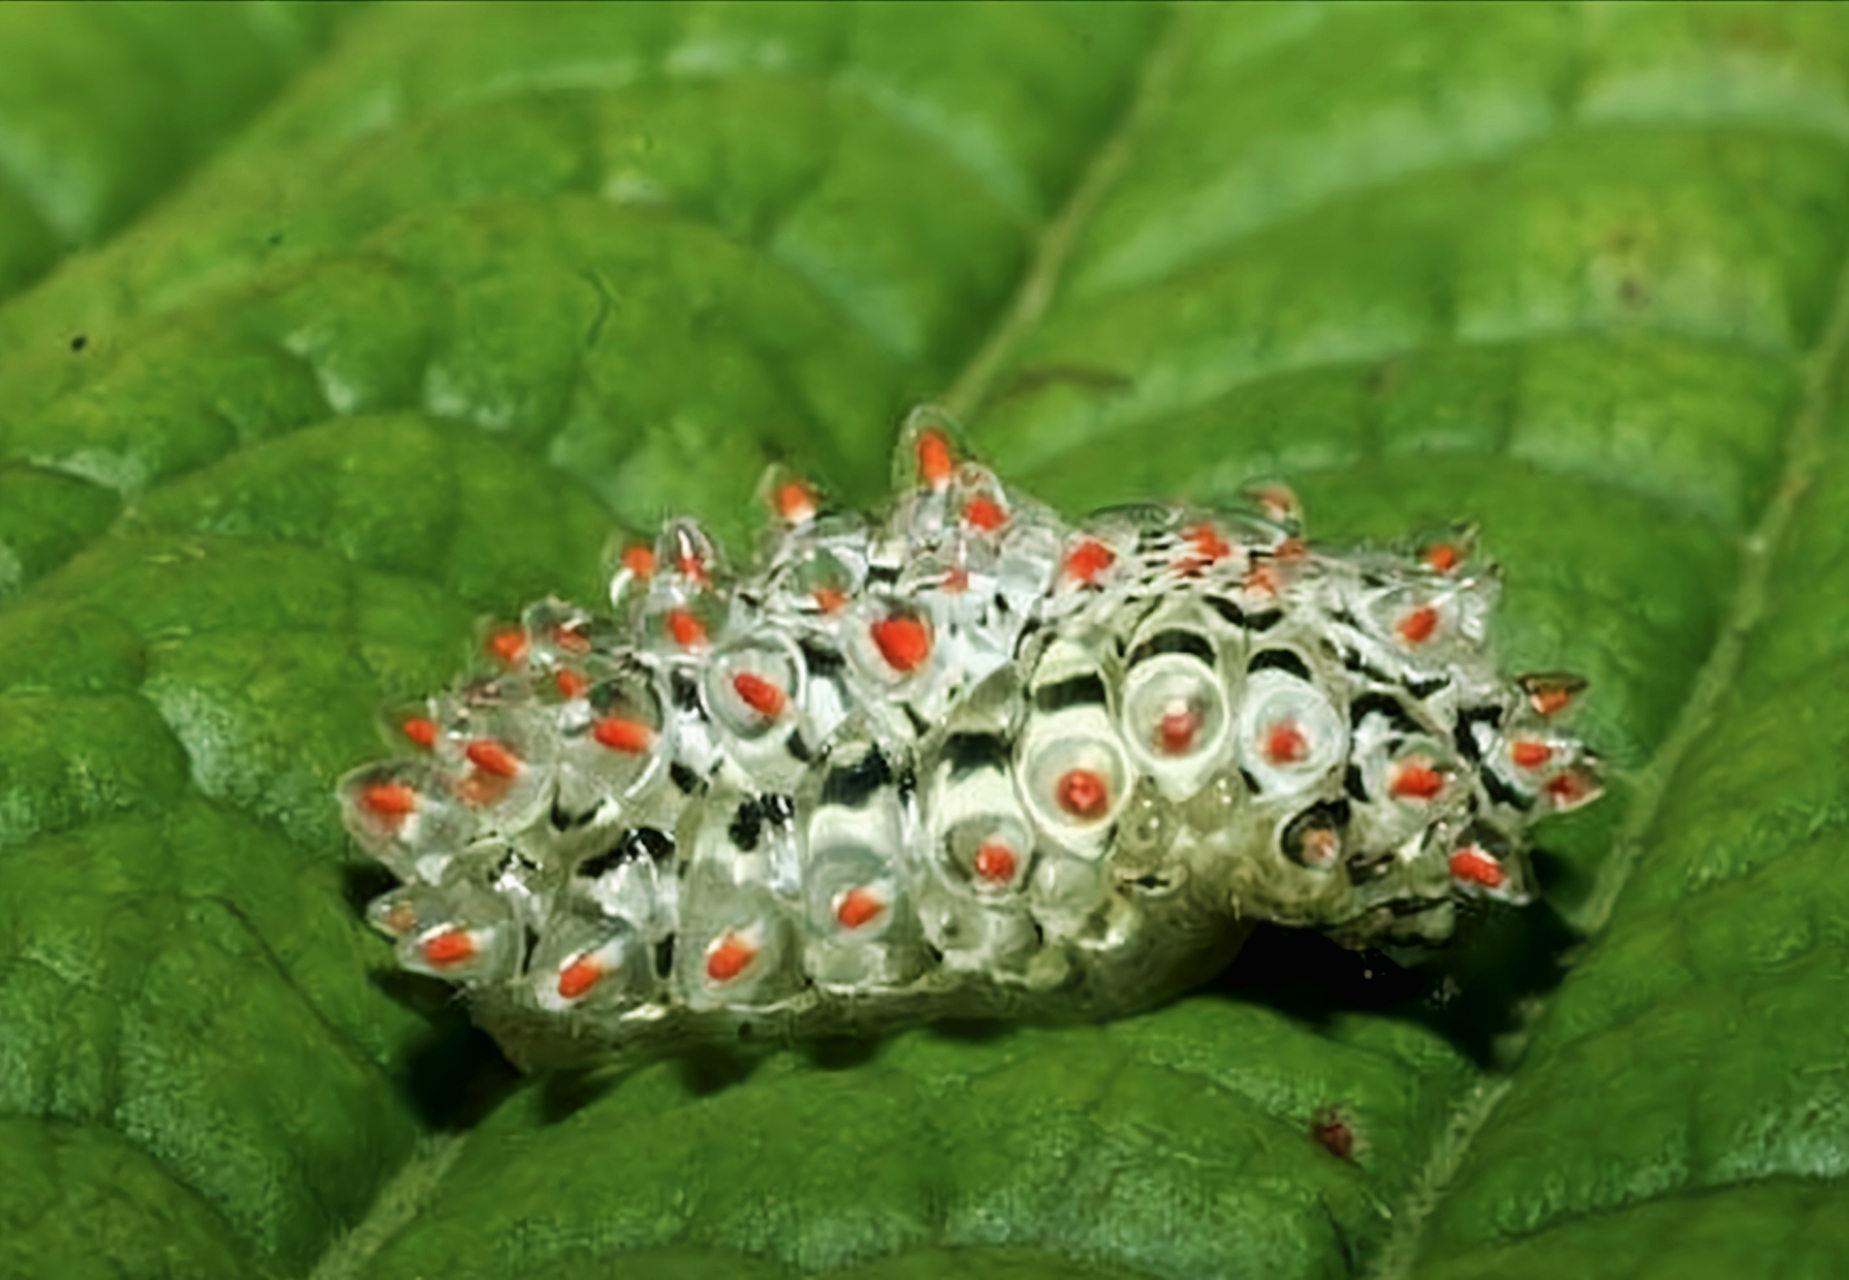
{"x": 993, "y": 938}
{"x": 1177, "y": 722}
{"x": 1417, "y": 774}
{"x": 1070, "y": 767}
{"x": 1085, "y": 566}
{"x": 847, "y": 850}
{"x": 853, "y": 880}
{"x": 827, "y": 701}
{"x": 754, "y": 693}
{"x": 1275, "y": 502}
{"x": 862, "y": 930}
{"x": 892, "y": 643}
{"x": 617, "y": 744}
{"x": 474, "y": 942}
{"x": 503, "y": 749}
{"x": 927, "y": 452}
{"x": 1028, "y": 562}
{"x": 404, "y": 813}
{"x": 734, "y": 949}
{"x": 1315, "y": 837}
{"x": 1478, "y": 872}
{"x": 1544, "y": 764}
{"x": 521, "y": 874}
{"x": 686, "y": 552}
{"x": 1526, "y": 757}
{"x": 1073, "y": 776}
{"x": 1573, "y": 786}
{"x": 853, "y": 900}
{"x": 815, "y": 580}
{"x": 633, "y": 889}
{"x": 982, "y": 835}
{"x": 683, "y": 623}
{"x": 560, "y": 634}
{"x": 1068, "y": 892}
{"x": 791, "y": 500}
{"x": 408, "y": 910}
{"x": 980, "y": 505}
{"x": 1429, "y": 623}
{"x": 754, "y": 687}
{"x": 1289, "y": 735}
{"x": 585, "y": 963}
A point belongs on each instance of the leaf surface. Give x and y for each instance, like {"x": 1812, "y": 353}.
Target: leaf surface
{"x": 108, "y": 105}
{"x": 492, "y": 281}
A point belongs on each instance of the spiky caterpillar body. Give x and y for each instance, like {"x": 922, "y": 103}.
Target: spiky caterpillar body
{"x": 969, "y": 761}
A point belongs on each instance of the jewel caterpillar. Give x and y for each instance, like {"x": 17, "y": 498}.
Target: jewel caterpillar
{"x": 968, "y": 760}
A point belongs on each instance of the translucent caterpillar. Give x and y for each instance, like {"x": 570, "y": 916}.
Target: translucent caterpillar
{"x": 969, "y": 760}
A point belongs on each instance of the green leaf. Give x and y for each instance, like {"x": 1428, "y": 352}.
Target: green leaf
{"x": 485, "y": 283}
{"x": 108, "y": 105}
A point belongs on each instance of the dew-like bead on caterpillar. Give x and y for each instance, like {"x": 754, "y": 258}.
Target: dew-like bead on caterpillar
{"x": 969, "y": 761}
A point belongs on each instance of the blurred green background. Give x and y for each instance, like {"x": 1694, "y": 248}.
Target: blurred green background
{"x": 328, "y": 330}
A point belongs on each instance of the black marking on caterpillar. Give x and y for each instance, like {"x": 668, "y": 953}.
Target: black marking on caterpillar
{"x": 967, "y": 761}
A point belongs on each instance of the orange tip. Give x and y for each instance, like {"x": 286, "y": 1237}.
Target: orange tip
{"x": 795, "y": 502}
{"x": 391, "y": 801}
{"x": 1082, "y": 793}
{"x": 761, "y": 695}
{"x": 1552, "y": 692}
{"x": 1417, "y": 627}
{"x": 640, "y": 561}
{"x": 1175, "y": 731}
{"x": 623, "y": 735}
{"x": 577, "y": 978}
{"x": 1087, "y": 561}
{"x": 995, "y": 863}
{"x": 1473, "y": 866}
{"x": 1442, "y": 556}
{"x": 688, "y": 631}
{"x": 1285, "y": 743}
{"x": 728, "y": 957}
{"x": 492, "y": 757}
{"x": 1573, "y": 788}
{"x": 903, "y": 641}
{"x": 1529, "y": 754}
{"x": 984, "y": 513}
{"x": 1415, "y": 781}
{"x": 508, "y": 645}
{"x": 450, "y": 947}
{"x": 935, "y": 461}
{"x": 859, "y": 907}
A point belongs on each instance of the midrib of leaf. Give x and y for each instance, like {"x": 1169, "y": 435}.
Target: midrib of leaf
{"x": 1824, "y": 367}
{"x": 396, "y": 1206}
{"x": 420, "y": 1178}
{"x": 1035, "y": 291}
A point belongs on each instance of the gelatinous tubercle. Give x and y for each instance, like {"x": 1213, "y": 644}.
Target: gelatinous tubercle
{"x": 968, "y": 760}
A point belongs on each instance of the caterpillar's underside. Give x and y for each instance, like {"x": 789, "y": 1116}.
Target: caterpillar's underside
{"x": 969, "y": 761}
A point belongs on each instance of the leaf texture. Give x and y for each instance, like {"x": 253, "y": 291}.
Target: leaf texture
{"x": 486, "y": 282}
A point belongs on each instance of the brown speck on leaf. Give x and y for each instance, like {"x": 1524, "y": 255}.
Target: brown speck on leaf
{"x": 1333, "y": 1134}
